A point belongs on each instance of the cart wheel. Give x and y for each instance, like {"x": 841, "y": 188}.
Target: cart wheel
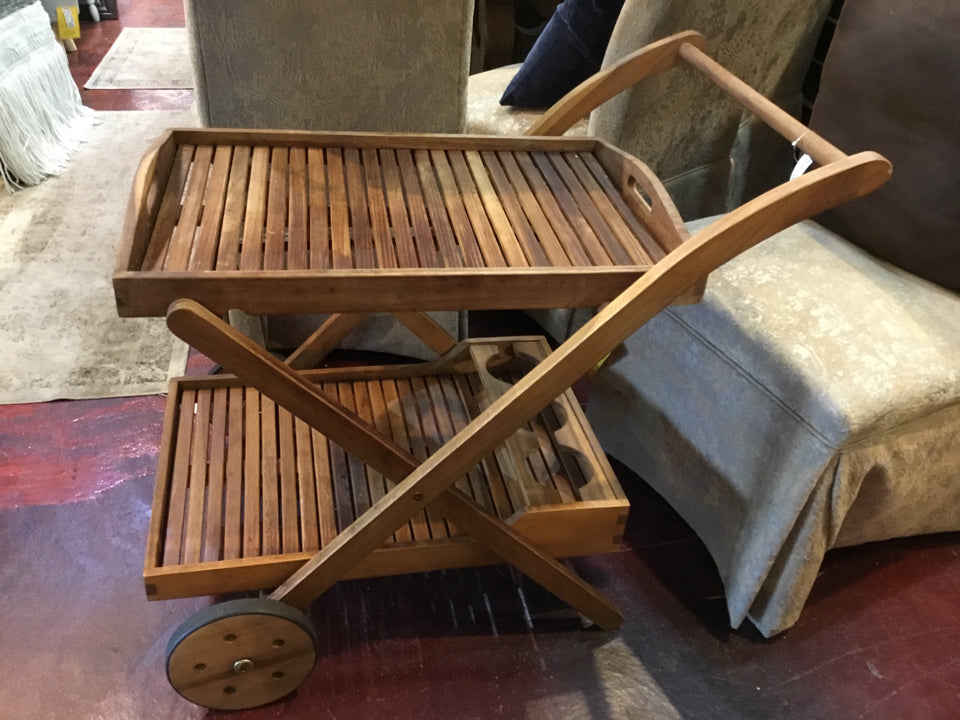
{"x": 241, "y": 654}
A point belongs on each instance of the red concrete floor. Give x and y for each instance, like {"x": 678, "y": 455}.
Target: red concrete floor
{"x": 879, "y": 638}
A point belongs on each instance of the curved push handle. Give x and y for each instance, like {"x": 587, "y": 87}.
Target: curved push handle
{"x": 600, "y": 87}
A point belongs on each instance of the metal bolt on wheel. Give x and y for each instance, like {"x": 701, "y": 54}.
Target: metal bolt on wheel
{"x": 241, "y": 654}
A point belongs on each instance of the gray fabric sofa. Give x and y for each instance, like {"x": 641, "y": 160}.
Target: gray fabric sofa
{"x": 812, "y": 399}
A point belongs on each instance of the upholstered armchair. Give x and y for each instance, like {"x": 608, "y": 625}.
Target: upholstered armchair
{"x": 398, "y": 66}
{"x": 812, "y": 399}
{"x": 767, "y": 44}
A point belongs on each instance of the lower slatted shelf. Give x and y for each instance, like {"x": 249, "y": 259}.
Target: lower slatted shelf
{"x": 246, "y": 492}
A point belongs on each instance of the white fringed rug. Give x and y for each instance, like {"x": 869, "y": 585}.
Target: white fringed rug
{"x": 41, "y": 117}
{"x": 145, "y": 58}
{"x": 60, "y": 336}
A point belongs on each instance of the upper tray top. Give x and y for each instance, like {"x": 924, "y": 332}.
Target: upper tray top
{"x": 235, "y": 206}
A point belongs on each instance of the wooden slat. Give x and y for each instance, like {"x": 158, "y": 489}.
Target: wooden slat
{"x": 251, "y": 252}
{"x": 341, "y": 253}
{"x": 214, "y": 511}
{"x": 486, "y": 238}
{"x": 233, "y": 500}
{"x": 251, "y": 474}
{"x": 273, "y": 244}
{"x": 160, "y": 508}
{"x": 204, "y": 255}
{"x": 289, "y": 492}
{"x": 479, "y": 488}
{"x": 444, "y": 431}
{"x": 399, "y": 219}
{"x": 413, "y": 195}
{"x": 326, "y": 508}
{"x": 587, "y": 210}
{"x": 381, "y": 421}
{"x": 504, "y": 234}
{"x": 339, "y": 475}
{"x": 398, "y": 395}
{"x": 653, "y": 248}
{"x": 269, "y": 477}
{"x": 420, "y": 409}
{"x": 526, "y": 237}
{"x": 362, "y": 405}
{"x": 573, "y": 211}
{"x": 624, "y": 246}
{"x": 513, "y": 454}
{"x": 377, "y": 207}
{"x": 228, "y": 250}
{"x": 169, "y": 210}
{"x": 297, "y": 233}
{"x": 440, "y": 413}
{"x": 551, "y": 209}
{"x": 543, "y": 233}
{"x": 364, "y": 255}
{"x": 566, "y": 472}
{"x": 501, "y": 470}
{"x": 307, "y": 487}
{"x": 196, "y": 498}
{"x": 181, "y": 244}
{"x": 177, "y": 502}
{"x": 320, "y": 251}
{"x": 495, "y": 484}
{"x": 359, "y": 487}
{"x": 453, "y": 199}
{"x": 443, "y": 233}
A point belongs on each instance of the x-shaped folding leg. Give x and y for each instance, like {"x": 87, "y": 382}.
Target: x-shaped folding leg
{"x": 417, "y": 484}
{"x": 339, "y": 325}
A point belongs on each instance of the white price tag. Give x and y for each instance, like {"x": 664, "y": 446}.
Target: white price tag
{"x": 803, "y": 164}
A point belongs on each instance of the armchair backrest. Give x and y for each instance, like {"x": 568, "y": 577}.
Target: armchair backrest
{"x": 678, "y": 123}
{"x": 889, "y": 83}
{"x": 398, "y": 66}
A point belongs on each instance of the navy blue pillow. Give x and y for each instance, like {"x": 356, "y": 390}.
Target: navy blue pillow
{"x": 567, "y": 52}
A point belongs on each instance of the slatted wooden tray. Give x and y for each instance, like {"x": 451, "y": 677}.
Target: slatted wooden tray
{"x": 273, "y": 221}
{"x": 246, "y": 492}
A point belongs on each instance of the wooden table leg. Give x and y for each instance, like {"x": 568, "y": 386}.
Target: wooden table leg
{"x": 324, "y": 339}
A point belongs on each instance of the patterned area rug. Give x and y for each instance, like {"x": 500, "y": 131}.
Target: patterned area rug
{"x": 60, "y": 336}
{"x": 147, "y": 58}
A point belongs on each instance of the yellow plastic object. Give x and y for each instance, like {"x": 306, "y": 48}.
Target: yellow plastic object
{"x": 68, "y": 23}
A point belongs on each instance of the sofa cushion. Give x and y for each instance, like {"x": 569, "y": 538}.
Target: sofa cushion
{"x": 887, "y": 86}
{"x": 567, "y": 52}
{"x": 485, "y": 114}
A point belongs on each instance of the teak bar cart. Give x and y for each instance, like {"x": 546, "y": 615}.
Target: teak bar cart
{"x": 278, "y": 476}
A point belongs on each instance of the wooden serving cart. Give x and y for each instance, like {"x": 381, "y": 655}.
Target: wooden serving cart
{"x": 278, "y": 476}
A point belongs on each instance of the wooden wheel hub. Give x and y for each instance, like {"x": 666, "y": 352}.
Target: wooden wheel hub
{"x": 241, "y": 654}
